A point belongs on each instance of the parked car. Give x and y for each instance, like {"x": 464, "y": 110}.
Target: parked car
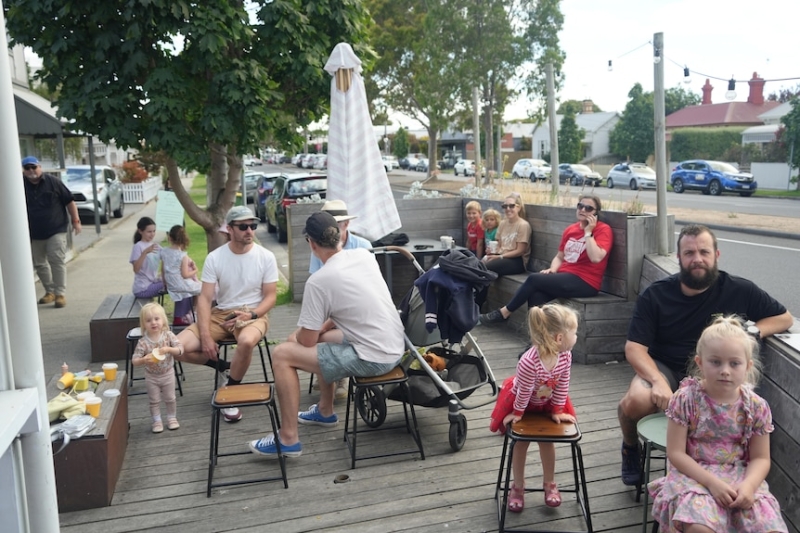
{"x": 532, "y": 169}
{"x": 403, "y": 163}
{"x": 390, "y": 162}
{"x": 635, "y": 175}
{"x": 251, "y": 161}
{"x": 464, "y": 166}
{"x": 308, "y": 161}
{"x": 412, "y": 159}
{"x": 712, "y": 177}
{"x": 251, "y": 183}
{"x": 284, "y": 159}
{"x": 297, "y": 158}
{"x": 422, "y": 165}
{"x": 110, "y": 198}
{"x": 321, "y": 162}
{"x": 266, "y": 182}
{"x": 287, "y": 189}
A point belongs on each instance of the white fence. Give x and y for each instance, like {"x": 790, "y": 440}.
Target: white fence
{"x": 139, "y": 193}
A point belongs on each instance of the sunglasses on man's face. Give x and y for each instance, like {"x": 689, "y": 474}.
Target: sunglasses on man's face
{"x": 30, "y": 167}
{"x": 585, "y": 207}
{"x": 508, "y": 206}
{"x": 244, "y": 227}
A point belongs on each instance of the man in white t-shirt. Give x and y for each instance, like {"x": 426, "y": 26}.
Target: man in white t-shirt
{"x": 348, "y": 326}
{"x": 245, "y": 279}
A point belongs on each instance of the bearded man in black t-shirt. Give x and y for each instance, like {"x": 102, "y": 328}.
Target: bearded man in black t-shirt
{"x": 667, "y": 321}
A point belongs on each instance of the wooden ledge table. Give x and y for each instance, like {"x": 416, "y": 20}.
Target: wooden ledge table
{"x": 88, "y": 468}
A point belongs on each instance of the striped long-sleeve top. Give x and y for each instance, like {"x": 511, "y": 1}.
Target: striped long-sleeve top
{"x": 536, "y": 386}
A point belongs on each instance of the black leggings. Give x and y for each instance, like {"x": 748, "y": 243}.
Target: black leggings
{"x": 540, "y": 288}
{"x": 503, "y": 267}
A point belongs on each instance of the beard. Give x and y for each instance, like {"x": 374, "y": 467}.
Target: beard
{"x": 702, "y": 282}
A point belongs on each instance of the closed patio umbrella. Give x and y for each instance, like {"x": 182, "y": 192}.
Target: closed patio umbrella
{"x": 356, "y": 174}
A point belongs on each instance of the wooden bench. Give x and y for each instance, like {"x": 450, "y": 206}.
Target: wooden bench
{"x": 604, "y": 318}
{"x": 111, "y": 322}
{"x": 87, "y": 470}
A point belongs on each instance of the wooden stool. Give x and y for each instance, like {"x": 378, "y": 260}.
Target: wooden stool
{"x": 223, "y": 348}
{"x": 652, "y": 431}
{"x": 242, "y": 396}
{"x": 132, "y": 338}
{"x": 538, "y": 427}
{"x": 368, "y": 396}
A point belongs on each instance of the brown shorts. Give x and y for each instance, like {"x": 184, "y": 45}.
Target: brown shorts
{"x": 219, "y": 332}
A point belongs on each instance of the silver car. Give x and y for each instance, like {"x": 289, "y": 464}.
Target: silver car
{"x": 78, "y": 180}
{"x": 634, "y": 175}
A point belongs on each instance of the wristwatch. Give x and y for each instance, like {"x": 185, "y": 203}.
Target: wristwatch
{"x": 253, "y": 315}
{"x": 754, "y": 331}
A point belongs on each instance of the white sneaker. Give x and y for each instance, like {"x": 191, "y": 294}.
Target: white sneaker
{"x": 341, "y": 388}
{"x": 231, "y": 414}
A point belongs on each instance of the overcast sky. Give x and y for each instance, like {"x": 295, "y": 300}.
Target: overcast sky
{"x": 714, "y": 37}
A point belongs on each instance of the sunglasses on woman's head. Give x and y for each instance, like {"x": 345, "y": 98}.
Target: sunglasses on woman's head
{"x": 243, "y": 227}
{"x": 585, "y": 207}
{"x": 508, "y": 206}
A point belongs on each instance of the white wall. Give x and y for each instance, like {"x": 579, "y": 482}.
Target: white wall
{"x": 773, "y": 175}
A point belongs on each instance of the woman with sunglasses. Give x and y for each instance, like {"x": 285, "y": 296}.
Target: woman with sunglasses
{"x": 577, "y": 269}
{"x": 513, "y": 242}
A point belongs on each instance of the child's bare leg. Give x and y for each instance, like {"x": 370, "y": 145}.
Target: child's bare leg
{"x": 697, "y": 528}
{"x": 518, "y": 463}
{"x": 547, "y": 452}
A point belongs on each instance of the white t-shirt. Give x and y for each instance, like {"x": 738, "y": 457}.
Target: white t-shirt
{"x": 350, "y": 290}
{"x": 240, "y": 276}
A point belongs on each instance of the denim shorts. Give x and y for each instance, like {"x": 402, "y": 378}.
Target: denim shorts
{"x": 339, "y": 361}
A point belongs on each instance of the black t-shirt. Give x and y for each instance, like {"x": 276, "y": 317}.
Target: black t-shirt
{"x": 669, "y": 323}
{"x": 47, "y": 202}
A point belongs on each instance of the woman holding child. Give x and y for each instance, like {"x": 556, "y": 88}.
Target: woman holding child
{"x": 577, "y": 269}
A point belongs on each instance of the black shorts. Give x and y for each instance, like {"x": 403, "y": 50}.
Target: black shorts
{"x": 673, "y": 378}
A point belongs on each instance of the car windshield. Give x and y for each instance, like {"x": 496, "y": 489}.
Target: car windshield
{"x": 719, "y": 166}
{"x": 642, "y": 169}
{"x": 80, "y": 174}
{"x": 307, "y": 186}
{"x": 581, "y": 168}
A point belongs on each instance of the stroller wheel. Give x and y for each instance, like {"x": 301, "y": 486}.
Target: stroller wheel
{"x": 371, "y": 405}
{"x": 458, "y": 433}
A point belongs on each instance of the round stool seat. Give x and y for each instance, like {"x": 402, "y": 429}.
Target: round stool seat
{"x": 653, "y": 428}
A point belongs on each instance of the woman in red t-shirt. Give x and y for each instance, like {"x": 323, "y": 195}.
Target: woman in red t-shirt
{"x": 577, "y": 269}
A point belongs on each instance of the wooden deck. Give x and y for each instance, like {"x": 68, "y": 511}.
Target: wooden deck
{"x": 163, "y": 482}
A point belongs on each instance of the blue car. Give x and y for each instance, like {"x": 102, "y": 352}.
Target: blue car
{"x": 712, "y": 177}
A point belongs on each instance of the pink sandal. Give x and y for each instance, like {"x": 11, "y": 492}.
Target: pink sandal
{"x": 552, "y": 497}
{"x": 516, "y": 498}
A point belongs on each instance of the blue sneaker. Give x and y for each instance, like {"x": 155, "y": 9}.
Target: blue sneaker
{"x": 268, "y": 448}
{"x": 631, "y": 465}
{"x": 313, "y": 417}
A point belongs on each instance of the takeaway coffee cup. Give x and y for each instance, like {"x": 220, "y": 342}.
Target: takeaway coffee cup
{"x": 110, "y": 371}
{"x": 93, "y": 406}
{"x": 81, "y": 383}
{"x": 66, "y": 380}
{"x": 491, "y": 247}
{"x": 447, "y": 241}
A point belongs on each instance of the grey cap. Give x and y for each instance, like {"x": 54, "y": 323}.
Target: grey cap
{"x": 238, "y": 212}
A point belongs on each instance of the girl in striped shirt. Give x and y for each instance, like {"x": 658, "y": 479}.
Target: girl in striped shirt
{"x": 541, "y": 384}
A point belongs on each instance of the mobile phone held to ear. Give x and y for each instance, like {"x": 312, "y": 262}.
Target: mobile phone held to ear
{"x": 230, "y": 316}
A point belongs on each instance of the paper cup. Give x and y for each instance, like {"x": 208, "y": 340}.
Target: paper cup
{"x": 81, "y": 383}
{"x": 65, "y": 381}
{"x": 85, "y": 395}
{"x": 110, "y": 371}
{"x": 93, "y": 406}
{"x": 447, "y": 241}
{"x": 491, "y": 247}
{"x": 158, "y": 355}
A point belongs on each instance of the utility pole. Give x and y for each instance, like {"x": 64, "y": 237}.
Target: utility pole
{"x": 660, "y": 143}
{"x": 476, "y": 134}
{"x": 551, "y": 117}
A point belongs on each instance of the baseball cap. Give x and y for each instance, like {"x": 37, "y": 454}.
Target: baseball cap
{"x": 238, "y": 212}
{"x": 30, "y": 160}
{"x": 318, "y": 224}
{"x": 338, "y": 209}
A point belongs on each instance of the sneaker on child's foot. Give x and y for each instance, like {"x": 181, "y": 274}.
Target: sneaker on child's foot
{"x": 231, "y": 414}
{"x": 313, "y": 417}
{"x": 268, "y": 448}
{"x": 173, "y": 424}
{"x": 631, "y": 465}
{"x": 158, "y": 427}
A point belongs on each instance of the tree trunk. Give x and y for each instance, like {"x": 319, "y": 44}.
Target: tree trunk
{"x": 432, "y": 135}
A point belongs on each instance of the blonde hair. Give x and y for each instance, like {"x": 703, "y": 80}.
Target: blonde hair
{"x": 730, "y": 327}
{"x": 492, "y": 213}
{"x": 546, "y": 322}
{"x": 472, "y": 205}
{"x": 518, "y": 200}
{"x": 153, "y": 309}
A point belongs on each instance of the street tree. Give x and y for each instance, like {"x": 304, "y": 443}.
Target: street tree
{"x": 676, "y": 98}
{"x": 570, "y": 139}
{"x": 576, "y": 106}
{"x": 791, "y": 134}
{"x": 203, "y": 82}
{"x": 400, "y": 147}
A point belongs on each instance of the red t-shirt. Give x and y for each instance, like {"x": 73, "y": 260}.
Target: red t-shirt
{"x": 573, "y": 245}
{"x": 474, "y": 234}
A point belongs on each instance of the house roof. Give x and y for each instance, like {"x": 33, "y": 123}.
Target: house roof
{"x": 591, "y": 122}
{"x": 727, "y": 114}
{"x": 774, "y": 115}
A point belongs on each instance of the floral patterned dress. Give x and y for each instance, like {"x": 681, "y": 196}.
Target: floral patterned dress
{"x": 718, "y": 439}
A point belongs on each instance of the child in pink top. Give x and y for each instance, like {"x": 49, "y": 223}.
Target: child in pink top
{"x": 475, "y": 238}
{"x": 540, "y": 385}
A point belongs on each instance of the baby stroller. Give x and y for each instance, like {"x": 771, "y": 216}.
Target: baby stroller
{"x": 440, "y": 372}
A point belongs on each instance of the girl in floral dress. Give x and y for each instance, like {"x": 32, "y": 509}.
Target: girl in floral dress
{"x": 718, "y": 443}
